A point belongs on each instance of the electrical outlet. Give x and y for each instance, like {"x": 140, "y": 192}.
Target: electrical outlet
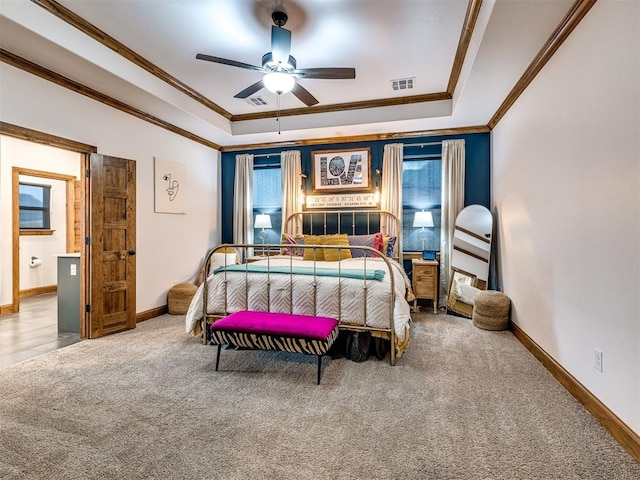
{"x": 597, "y": 359}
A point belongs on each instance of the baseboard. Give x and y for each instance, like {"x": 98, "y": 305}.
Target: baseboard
{"x": 6, "y": 309}
{"x": 32, "y": 292}
{"x": 629, "y": 440}
{"x": 152, "y": 313}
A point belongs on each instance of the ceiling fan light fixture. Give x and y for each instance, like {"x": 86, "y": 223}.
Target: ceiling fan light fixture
{"x": 278, "y": 82}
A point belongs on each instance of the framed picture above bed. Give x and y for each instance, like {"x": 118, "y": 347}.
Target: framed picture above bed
{"x": 341, "y": 170}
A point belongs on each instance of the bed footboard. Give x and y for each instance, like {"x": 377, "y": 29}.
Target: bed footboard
{"x": 357, "y": 297}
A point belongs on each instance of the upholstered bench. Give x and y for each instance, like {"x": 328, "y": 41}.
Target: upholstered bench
{"x": 276, "y": 331}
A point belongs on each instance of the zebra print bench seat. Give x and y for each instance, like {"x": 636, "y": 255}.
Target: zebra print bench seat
{"x": 276, "y": 331}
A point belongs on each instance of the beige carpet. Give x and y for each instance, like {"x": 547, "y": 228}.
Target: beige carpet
{"x": 463, "y": 403}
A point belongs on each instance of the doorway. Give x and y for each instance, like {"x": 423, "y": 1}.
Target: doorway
{"x": 76, "y": 211}
{"x": 104, "y": 233}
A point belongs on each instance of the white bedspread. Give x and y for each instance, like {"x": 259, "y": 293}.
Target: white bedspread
{"x": 345, "y": 299}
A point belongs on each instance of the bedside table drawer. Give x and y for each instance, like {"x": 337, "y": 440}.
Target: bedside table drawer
{"x": 425, "y": 288}
{"x": 426, "y": 276}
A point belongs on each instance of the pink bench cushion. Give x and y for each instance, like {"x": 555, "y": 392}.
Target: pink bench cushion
{"x": 277, "y": 324}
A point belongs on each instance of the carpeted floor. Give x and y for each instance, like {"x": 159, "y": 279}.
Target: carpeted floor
{"x": 462, "y": 403}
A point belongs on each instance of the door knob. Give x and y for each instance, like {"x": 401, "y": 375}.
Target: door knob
{"x": 132, "y": 252}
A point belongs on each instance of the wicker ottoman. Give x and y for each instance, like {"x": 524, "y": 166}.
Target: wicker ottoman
{"x": 491, "y": 310}
{"x": 179, "y": 298}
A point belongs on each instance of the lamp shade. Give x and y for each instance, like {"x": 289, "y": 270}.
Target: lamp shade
{"x": 263, "y": 220}
{"x": 423, "y": 219}
{"x": 278, "y": 82}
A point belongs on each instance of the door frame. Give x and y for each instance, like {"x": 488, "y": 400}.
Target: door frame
{"x": 85, "y": 151}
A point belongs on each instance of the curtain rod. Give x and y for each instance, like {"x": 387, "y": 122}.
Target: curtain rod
{"x": 266, "y": 165}
{"x": 266, "y": 155}
{"x": 411, "y": 157}
{"x": 407, "y": 145}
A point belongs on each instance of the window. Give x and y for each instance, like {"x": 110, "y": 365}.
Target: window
{"x": 267, "y": 198}
{"x": 35, "y": 206}
{"x": 421, "y": 190}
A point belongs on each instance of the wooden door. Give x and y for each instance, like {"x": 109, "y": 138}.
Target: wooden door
{"x": 112, "y": 245}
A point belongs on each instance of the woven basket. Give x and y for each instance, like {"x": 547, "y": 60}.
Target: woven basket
{"x": 179, "y": 298}
{"x": 491, "y": 310}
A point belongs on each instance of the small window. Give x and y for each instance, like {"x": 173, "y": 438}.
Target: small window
{"x": 267, "y": 199}
{"x": 421, "y": 191}
{"x": 35, "y": 206}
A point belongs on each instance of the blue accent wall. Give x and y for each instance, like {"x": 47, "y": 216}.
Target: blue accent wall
{"x": 477, "y": 188}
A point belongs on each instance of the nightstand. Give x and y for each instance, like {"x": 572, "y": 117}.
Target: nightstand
{"x": 425, "y": 281}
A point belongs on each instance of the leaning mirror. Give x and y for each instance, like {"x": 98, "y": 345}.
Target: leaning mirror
{"x": 471, "y": 249}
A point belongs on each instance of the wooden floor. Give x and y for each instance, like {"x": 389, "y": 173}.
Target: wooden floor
{"x": 32, "y": 331}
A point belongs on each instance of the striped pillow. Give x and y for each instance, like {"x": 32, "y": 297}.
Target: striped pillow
{"x": 290, "y": 239}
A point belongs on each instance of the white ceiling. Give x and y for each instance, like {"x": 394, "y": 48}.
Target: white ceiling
{"x": 382, "y": 40}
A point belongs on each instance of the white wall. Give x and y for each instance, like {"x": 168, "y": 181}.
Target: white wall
{"x": 18, "y": 153}
{"x": 566, "y": 186}
{"x": 170, "y": 248}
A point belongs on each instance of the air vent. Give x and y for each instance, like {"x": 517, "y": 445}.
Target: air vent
{"x": 403, "y": 83}
{"x": 256, "y": 101}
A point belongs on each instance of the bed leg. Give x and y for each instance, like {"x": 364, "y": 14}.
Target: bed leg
{"x": 218, "y": 356}
{"x": 392, "y": 353}
{"x": 319, "y": 368}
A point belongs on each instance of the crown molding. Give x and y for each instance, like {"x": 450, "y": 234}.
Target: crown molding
{"x": 570, "y": 21}
{"x": 341, "y": 107}
{"x": 46, "y": 74}
{"x": 473, "y": 10}
{"x": 359, "y": 138}
{"x": 104, "y": 38}
{"x": 29, "y": 135}
{"x": 108, "y": 41}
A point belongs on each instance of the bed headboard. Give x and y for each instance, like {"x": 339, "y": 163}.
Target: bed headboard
{"x": 351, "y": 222}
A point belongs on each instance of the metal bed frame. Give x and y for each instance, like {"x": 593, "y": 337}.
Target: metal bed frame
{"x": 388, "y": 331}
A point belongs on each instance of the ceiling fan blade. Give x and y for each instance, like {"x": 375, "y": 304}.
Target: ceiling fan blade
{"x": 280, "y": 44}
{"x": 327, "y": 73}
{"x": 250, "y": 90}
{"x": 224, "y": 61}
{"x": 303, "y": 95}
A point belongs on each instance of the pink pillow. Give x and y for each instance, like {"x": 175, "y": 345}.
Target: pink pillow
{"x": 293, "y": 240}
{"x": 378, "y": 242}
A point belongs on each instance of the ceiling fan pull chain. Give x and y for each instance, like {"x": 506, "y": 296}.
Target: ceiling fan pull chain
{"x": 278, "y": 117}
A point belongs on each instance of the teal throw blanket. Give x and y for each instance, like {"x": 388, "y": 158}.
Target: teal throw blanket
{"x": 320, "y": 272}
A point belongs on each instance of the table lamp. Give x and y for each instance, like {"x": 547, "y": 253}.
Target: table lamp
{"x": 421, "y": 220}
{"x": 263, "y": 220}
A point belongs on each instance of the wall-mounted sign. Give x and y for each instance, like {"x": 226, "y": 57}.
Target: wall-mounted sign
{"x": 342, "y": 200}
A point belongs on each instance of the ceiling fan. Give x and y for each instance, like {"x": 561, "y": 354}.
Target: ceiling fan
{"x": 280, "y": 67}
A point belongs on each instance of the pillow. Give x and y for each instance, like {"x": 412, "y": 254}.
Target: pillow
{"x": 391, "y": 247}
{"x": 385, "y": 244}
{"x": 334, "y": 254}
{"x": 361, "y": 241}
{"x": 293, "y": 240}
{"x": 311, "y": 253}
{"x": 466, "y": 293}
{"x": 222, "y": 260}
{"x": 378, "y": 242}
